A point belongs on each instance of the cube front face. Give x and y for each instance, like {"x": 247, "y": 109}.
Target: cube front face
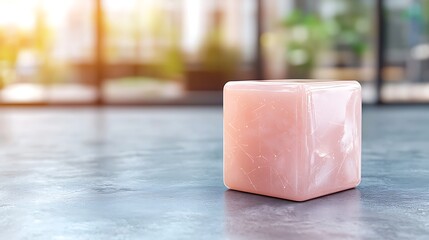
{"x": 291, "y": 139}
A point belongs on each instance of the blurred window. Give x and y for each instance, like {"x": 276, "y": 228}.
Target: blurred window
{"x": 406, "y": 72}
{"x": 325, "y": 39}
{"x": 183, "y": 51}
{"x": 46, "y": 48}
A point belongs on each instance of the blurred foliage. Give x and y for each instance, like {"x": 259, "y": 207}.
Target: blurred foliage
{"x": 10, "y": 44}
{"x": 215, "y": 55}
{"x": 50, "y": 71}
{"x": 9, "y": 48}
{"x": 350, "y": 28}
{"x": 425, "y": 9}
{"x": 157, "y": 28}
{"x": 39, "y": 42}
{"x": 172, "y": 64}
{"x": 171, "y": 60}
{"x": 418, "y": 12}
{"x": 308, "y": 35}
{"x": 4, "y": 73}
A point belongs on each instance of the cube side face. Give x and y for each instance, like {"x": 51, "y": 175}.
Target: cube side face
{"x": 332, "y": 145}
{"x": 263, "y": 135}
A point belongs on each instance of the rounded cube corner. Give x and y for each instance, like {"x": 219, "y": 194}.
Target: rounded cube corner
{"x": 357, "y": 83}
{"x": 298, "y": 199}
{"x": 357, "y": 182}
{"x": 226, "y": 184}
{"x": 227, "y": 85}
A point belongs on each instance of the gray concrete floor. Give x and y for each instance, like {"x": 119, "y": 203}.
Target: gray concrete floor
{"x": 156, "y": 173}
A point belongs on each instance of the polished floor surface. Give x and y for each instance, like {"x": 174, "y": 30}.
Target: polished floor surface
{"x": 156, "y": 173}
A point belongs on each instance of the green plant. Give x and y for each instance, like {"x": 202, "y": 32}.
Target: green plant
{"x": 172, "y": 63}
{"x": 306, "y": 38}
{"x": 170, "y": 60}
{"x": 308, "y": 35}
{"x": 216, "y": 56}
{"x": 350, "y": 28}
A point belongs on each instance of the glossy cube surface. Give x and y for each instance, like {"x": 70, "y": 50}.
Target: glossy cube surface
{"x": 292, "y": 139}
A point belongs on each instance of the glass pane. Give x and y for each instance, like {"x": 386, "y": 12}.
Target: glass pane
{"x": 170, "y": 50}
{"x": 142, "y": 52}
{"x": 164, "y": 50}
{"x": 325, "y": 39}
{"x": 46, "y": 48}
{"x": 406, "y": 72}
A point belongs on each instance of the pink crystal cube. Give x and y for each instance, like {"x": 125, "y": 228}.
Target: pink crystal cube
{"x": 289, "y": 139}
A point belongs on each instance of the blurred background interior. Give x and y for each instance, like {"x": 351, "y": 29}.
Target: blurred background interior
{"x": 142, "y": 52}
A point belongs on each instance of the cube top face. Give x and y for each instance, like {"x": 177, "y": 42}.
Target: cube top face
{"x": 288, "y": 85}
{"x": 292, "y": 139}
